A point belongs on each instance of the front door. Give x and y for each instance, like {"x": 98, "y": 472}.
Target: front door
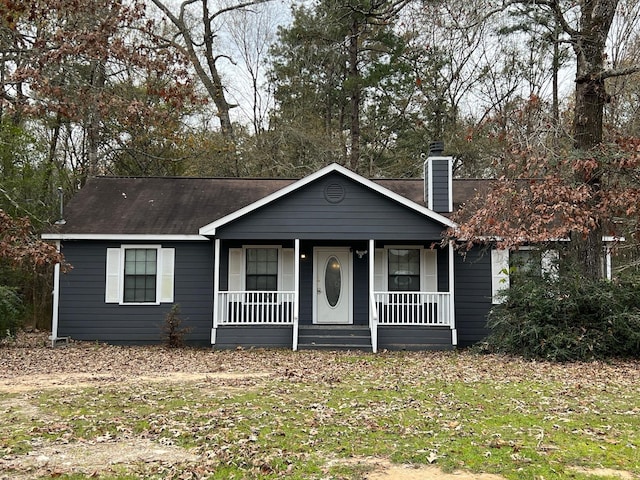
{"x": 333, "y": 282}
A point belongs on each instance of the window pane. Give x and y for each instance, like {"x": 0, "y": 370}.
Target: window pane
{"x": 140, "y": 275}
{"x": 262, "y": 269}
{"x": 404, "y": 269}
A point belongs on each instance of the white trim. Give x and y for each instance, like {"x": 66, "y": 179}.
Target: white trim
{"x": 452, "y": 303}
{"x": 210, "y": 229}
{"x": 56, "y": 299}
{"x": 609, "y": 238}
{"x": 373, "y": 314}
{"x": 123, "y": 236}
{"x": 450, "y": 186}
{"x": 296, "y": 292}
{"x": 216, "y": 288}
{"x": 429, "y": 185}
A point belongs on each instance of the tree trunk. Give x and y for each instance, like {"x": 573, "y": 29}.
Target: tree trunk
{"x": 98, "y": 77}
{"x": 589, "y": 44}
{"x": 355, "y": 86}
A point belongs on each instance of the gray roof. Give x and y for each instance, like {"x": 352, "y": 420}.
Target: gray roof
{"x": 181, "y": 205}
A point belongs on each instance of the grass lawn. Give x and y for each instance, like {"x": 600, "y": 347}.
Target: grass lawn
{"x": 309, "y": 415}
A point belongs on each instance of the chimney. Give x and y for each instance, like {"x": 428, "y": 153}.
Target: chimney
{"x": 438, "y": 176}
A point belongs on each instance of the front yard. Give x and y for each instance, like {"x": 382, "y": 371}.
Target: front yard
{"x": 99, "y": 411}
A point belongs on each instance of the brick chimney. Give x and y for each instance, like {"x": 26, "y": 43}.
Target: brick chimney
{"x": 438, "y": 175}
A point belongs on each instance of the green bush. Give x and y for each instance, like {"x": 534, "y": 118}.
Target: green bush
{"x": 567, "y": 319}
{"x": 11, "y": 311}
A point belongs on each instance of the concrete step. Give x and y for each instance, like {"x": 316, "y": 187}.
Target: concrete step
{"x": 334, "y": 337}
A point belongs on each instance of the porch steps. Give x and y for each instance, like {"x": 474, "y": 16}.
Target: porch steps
{"x": 334, "y": 337}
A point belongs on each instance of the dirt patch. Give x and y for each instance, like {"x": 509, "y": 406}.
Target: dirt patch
{"x": 90, "y": 458}
{"x": 427, "y": 473}
{"x": 605, "y": 472}
{"x": 383, "y": 469}
{"x": 30, "y": 383}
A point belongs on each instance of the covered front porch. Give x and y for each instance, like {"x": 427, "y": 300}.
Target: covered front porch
{"x": 363, "y": 294}
{"x": 337, "y": 251}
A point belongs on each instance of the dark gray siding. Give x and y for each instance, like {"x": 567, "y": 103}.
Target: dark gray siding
{"x": 414, "y": 338}
{"x": 84, "y": 315}
{"x": 472, "y": 295}
{"x": 440, "y": 185}
{"x": 254, "y": 336}
{"x": 307, "y": 213}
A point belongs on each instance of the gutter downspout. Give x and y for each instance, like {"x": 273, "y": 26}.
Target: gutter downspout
{"x": 56, "y": 300}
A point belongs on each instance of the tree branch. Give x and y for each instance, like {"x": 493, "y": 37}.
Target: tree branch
{"x": 239, "y": 6}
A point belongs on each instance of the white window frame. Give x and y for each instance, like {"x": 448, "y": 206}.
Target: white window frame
{"x": 501, "y": 268}
{"x": 548, "y": 260}
{"x": 165, "y": 269}
{"x": 243, "y": 266}
{"x": 425, "y": 276}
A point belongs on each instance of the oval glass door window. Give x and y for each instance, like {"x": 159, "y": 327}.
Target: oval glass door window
{"x": 333, "y": 281}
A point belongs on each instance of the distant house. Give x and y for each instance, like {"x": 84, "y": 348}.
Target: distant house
{"x": 332, "y": 260}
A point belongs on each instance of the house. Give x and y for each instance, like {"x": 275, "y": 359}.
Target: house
{"x": 330, "y": 260}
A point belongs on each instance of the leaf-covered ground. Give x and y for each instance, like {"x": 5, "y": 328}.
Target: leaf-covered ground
{"x": 90, "y": 410}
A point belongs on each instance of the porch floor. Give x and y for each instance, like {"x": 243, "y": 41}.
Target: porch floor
{"x": 334, "y": 337}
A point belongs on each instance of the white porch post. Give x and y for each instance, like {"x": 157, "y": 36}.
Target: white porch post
{"x": 296, "y": 294}
{"x": 452, "y": 303}
{"x": 373, "y": 317}
{"x": 216, "y": 288}
{"x": 56, "y": 300}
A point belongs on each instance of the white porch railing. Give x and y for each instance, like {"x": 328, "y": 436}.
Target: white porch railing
{"x": 412, "y": 308}
{"x": 255, "y": 308}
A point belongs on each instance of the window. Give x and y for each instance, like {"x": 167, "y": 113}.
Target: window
{"x": 139, "y": 274}
{"x": 262, "y": 269}
{"x": 525, "y": 264}
{"x": 507, "y": 266}
{"x": 140, "y": 271}
{"x": 404, "y": 270}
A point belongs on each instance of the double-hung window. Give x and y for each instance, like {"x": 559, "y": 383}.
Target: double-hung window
{"x": 139, "y": 274}
{"x": 404, "y": 269}
{"x": 261, "y": 269}
{"x": 509, "y": 266}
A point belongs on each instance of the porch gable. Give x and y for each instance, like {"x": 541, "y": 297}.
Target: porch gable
{"x": 333, "y": 206}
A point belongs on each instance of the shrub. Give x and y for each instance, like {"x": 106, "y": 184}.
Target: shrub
{"x": 567, "y": 319}
{"x": 173, "y": 333}
{"x": 11, "y": 311}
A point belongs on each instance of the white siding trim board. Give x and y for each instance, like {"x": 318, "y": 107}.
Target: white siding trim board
{"x": 129, "y": 237}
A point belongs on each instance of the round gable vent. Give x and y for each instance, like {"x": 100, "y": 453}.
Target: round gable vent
{"x": 334, "y": 193}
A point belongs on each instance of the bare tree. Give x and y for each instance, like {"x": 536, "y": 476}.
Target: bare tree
{"x": 200, "y": 43}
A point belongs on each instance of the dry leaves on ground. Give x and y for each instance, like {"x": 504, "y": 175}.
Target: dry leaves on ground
{"x": 31, "y": 365}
